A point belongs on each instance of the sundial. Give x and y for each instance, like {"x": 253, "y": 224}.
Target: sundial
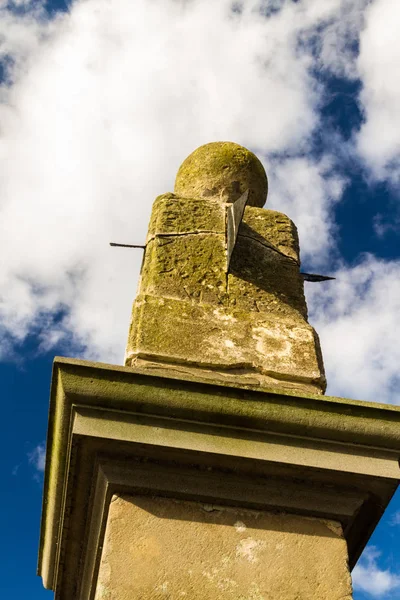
{"x": 220, "y": 286}
{"x": 234, "y": 217}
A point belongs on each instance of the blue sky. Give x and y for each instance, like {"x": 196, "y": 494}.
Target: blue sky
{"x": 99, "y": 104}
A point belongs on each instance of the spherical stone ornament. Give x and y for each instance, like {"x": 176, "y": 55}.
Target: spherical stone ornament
{"x": 222, "y": 171}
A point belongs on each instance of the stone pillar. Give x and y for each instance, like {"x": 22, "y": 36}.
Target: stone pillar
{"x": 211, "y": 466}
{"x": 247, "y": 324}
{"x": 165, "y": 487}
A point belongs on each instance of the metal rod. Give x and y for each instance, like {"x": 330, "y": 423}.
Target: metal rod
{"x": 127, "y": 245}
{"x": 315, "y": 278}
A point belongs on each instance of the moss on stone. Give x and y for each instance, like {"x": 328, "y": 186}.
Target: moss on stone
{"x": 190, "y": 311}
{"x": 172, "y": 214}
{"x": 272, "y": 228}
{"x": 186, "y": 266}
{"x": 264, "y": 280}
{"x": 184, "y": 262}
{"x": 203, "y": 335}
{"x": 222, "y": 170}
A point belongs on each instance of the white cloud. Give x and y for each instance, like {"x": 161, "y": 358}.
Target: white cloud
{"x": 37, "y": 457}
{"x": 102, "y": 107}
{"x": 336, "y": 49}
{"x": 307, "y": 191}
{"x": 378, "y": 66}
{"x": 357, "y": 318}
{"x": 369, "y": 578}
{"x": 395, "y": 520}
{"x": 382, "y": 225}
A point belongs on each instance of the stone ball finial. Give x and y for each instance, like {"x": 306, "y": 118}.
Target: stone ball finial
{"x": 222, "y": 171}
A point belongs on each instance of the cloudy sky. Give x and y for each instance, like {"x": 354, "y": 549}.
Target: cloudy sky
{"x": 100, "y": 102}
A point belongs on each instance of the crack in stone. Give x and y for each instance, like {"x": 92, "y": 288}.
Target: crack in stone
{"x": 218, "y": 233}
{"x": 244, "y": 367}
{"x": 183, "y": 233}
{"x": 270, "y": 247}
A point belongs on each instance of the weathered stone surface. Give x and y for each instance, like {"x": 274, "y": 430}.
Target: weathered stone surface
{"x": 223, "y": 554}
{"x": 281, "y": 351}
{"x": 191, "y": 310}
{"x": 224, "y": 171}
{"x": 186, "y": 266}
{"x": 264, "y": 280}
{"x": 172, "y": 214}
{"x": 186, "y": 257}
{"x": 273, "y": 229}
{"x": 167, "y": 433}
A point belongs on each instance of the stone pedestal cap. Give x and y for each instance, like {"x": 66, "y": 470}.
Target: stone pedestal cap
{"x": 165, "y": 434}
{"x": 223, "y": 171}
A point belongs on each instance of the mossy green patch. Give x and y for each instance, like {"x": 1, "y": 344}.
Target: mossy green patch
{"x": 172, "y": 214}
{"x": 273, "y": 229}
{"x": 222, "y": 170}
{"x": 264, "y": 280}
{"x": 191, "y": 311}
{"x": 203, "y": 335}
{"x": 186, "y": 266}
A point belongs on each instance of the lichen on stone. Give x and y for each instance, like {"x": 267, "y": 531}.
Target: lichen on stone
{"x": 190, "y": 266}
{"x": 173, "y": 214}
{"x": 193, "y": 310}
{"x": 273, "y": 229}
{"x": 224, "y": 171}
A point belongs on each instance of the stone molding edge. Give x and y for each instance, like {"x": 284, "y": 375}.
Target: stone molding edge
{"x": 264, "y": 409}
{"x": 137, "y": 391}
{"x": 136, "y": 475}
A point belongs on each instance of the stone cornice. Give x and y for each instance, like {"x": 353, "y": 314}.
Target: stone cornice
{"x": 117, "y": 428}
